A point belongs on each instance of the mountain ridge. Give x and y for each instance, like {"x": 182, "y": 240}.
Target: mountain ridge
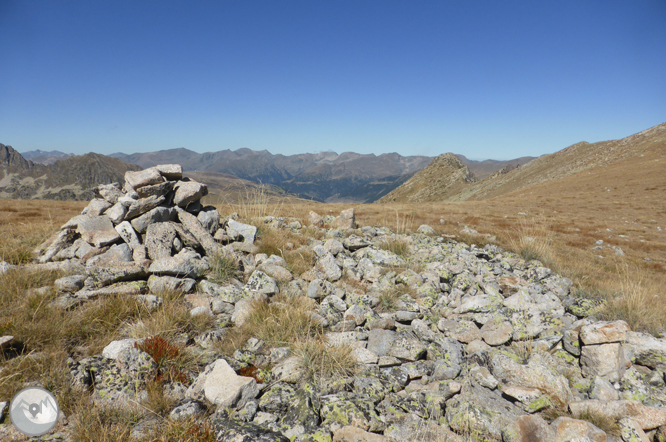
{"x": 577, "y": 158}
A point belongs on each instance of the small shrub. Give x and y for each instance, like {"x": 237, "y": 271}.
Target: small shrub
{"x": 388, "y": 301}
{"x": 171, "y": 360}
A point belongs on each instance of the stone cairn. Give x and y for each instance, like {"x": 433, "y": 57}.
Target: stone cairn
{"x": 478, "y": 344}
{"x": 151, "y": 235}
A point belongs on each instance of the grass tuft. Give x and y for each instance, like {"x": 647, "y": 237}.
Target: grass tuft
{"x": 279, "y": 323}
{"x": 318, "y": 361}
{"x": 222, "y": 268}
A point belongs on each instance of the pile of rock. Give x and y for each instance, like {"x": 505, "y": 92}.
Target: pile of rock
{"x": 150, "y": 235}
{"x": 453, "y": 342}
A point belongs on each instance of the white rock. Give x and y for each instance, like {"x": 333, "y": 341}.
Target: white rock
{"x": 114, "y": 348}
{"x": 220, "y": 385}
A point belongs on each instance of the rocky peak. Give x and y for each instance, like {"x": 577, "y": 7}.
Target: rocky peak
{"x": 12, "y": 159}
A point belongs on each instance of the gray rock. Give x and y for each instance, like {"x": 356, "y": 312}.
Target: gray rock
{"x": 143, "y": 205}
{"x": 477, "y": 410}
{"x": 425, "y": 229}
{"x": 567, "y": 429}
{"x": 237, "y": 431}
{"x": 186, "y": 264}
{"x": 97, "y": 230}
{"x": 482, "y": 376}
{"x": 162, "y": 284}
{"x": 159, "y": 240}
{"x": 117, "y": 213}
{"x": 6, "y": 341}
{"x": 630, "y": 431}
{"x": 142, "y": 178}
{"x": 170, "y": 171}
{"x": 603, "y": 390}
{"x": 447, "y": 357}
{"x": 320, "y": 288}
{"x": 209, "y": 218}
{"x": 69, "y": 284}
{"x": 140, "y": 253}
{"x": 188, "y": 192}
{"x": 128, "y": 234}
{"x": 97, "y": 207}
{"x": 114, "y": 348}
{"x": 187, "y": 410}
{"x": 118, "y": 253}
{"x": 354, "y": 243}
{"x": 329, "y": 267}
{"x": 538, "y": 373}
{"x": 380, "y": 341}
{"x": 192, "y": 224}
{"x": 604, "y": 332}
{"x": 229, "y": 293}
{"x": 333, "y": 246}
{"x": 497, "y": 331}
{"x": 605, "y": 360}
{"x": 346, "y": 220}
{"x": 314, "y": 219}
{"x": 110, "y": 192}
{"x": 644, "y": 349}
{"x": 239, "y": 231}
{"x": 104, "y": 276}
{"x": 157, "y": 215}
{"x": 262, "y": 283}
{"x": 156, "y": 190}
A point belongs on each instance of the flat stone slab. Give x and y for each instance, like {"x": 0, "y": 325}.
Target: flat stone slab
{"x": 97, "y": 230}
{"x": 170, "y": 171}
{"x": 143, "y": 178}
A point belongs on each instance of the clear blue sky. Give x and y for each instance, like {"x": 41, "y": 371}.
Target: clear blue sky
{"x": 487, "y": 79}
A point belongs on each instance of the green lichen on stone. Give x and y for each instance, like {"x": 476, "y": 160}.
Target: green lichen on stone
{"x": 538, "y": 404}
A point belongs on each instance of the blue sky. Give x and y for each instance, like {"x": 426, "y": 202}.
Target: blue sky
{"x": 487, "y": 79}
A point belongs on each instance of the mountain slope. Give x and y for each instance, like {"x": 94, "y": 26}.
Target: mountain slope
{"x": 432, "y": 184}
{"x": 71, "y": 178}
{"x": 443, "y": 178}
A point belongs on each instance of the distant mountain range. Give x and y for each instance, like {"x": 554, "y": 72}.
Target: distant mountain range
{"x": 43, "y": 157}
{"x": 66, "y": 179}
{"x": 329, "y": 177}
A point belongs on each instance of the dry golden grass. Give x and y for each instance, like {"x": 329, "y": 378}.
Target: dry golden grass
{"x": 319, "y": 361}
{"x": 275, "y": 242}
{"x": 279, "y": 323}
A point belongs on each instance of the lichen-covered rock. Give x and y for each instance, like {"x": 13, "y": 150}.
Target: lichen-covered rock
{"x": 480, "y": 412}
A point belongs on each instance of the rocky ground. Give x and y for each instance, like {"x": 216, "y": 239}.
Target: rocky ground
{"x": 450, "y": 342}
